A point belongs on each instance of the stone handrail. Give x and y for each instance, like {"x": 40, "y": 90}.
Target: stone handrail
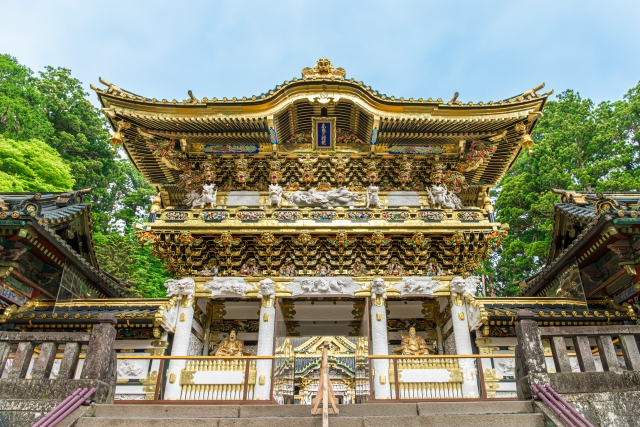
{"x": 98, "y": 371}
{"x": 531, "y": 366}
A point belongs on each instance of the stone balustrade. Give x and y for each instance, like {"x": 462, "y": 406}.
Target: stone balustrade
{"x": 29, "y": 358}
{"x": 605, "y": 382}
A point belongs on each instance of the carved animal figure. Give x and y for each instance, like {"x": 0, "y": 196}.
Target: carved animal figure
{"x": 193, "y": 199}
{"x": 267, "y": 289}
{"x": 206, "y": 197}
{"x": 373, "y": 200}
{"x": 322, "y": 285}
{"x": 438, "y": 197}
{"x": 183, "y": 287}
{"x": 338, "y": 197}
{"x": 413, "y": 286}
{"x": 463, "y": 287}
{"x": 379, "y": 287}
{"x": 453, "y": 202}
{"x": 275, "y": 195}
{"x": 238, "y": 287}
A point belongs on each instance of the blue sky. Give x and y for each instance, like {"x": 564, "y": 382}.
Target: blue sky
{"x": 486, "y": 50}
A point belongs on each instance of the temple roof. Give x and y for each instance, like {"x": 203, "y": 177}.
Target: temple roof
{"x": 134, "y": 312}
{"x": 581, "y": 218}
{"x": 243, "y": 123}
{"x": 554, "y": 311}
{"x": 56, "y": 227}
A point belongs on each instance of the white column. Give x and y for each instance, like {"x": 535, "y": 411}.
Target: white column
{"x": 459, "y": 287}
{"x": 266, "y": 335}
{"x": 379, "y": 340}
{"x": 182, "y": 289}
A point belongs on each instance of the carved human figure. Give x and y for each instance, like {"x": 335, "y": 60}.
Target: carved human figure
{"x": 413, "y": 345}
{"x": 324, "y": 270}
{"x": 275, "y": 195}
{"x": 433, "y": 269}
{"x": 394, "y": 268}
{"x": 358, "y": 268}
{"x": 373, "y": 200}
{"x": 231, "y": 346}
{"x": 288, "y": 269}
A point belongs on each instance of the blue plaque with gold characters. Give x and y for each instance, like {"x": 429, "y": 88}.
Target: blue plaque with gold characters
{"x": 324, "y": 133}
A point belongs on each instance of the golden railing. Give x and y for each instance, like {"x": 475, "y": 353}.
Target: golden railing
{"x": 213, "y": 379}
{"x": 435, "y": 377}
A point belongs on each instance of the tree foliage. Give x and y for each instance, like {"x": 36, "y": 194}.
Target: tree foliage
{"x": 122, "y": 256}
{"x": 579, "y": 146}
{"x": 52, "y": 107}
{"x": 32, "y": 165}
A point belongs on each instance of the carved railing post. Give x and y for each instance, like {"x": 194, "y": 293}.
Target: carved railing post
{"x": 530, "y": 354}
{"x": 100, "y": 359}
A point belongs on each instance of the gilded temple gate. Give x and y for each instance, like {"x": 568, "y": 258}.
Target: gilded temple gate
{"x": 322, "y": 209}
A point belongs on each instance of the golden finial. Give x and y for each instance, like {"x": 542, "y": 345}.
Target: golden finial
{"x": 323, "y": 69}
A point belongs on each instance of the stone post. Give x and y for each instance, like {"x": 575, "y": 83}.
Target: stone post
{"x": 100, "y": 361}
{"x": 379, "y": 340}
{"x": 530, "y": 361}
{"x": 266, "y": 336}
{"x": 184, "y": 290}
{"x": 459, "y": 289}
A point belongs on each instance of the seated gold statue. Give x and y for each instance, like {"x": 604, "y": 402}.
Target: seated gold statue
{"x": 231, "y": 346}
{"x": 413, "y": 344}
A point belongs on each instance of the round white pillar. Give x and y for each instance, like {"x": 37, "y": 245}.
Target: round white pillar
{"x": 459, "y": 288}
{"x": 266, "y": 335}
{"x": 379, "y": 340}
{"x": 184, "y": 290}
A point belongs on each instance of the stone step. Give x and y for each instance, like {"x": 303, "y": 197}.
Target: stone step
{"x": 483, "y": 420}
{"x": 247, "y": 411}
{"x": 251, "y": 411}
{"x": 486, "y": 407}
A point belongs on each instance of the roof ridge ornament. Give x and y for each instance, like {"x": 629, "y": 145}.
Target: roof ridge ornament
{"x": 323, "y": 69}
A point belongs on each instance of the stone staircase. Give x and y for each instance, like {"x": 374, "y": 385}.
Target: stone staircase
{"x": 450, "y": 414}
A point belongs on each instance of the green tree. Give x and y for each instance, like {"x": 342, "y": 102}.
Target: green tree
{"x": 32, "y": 166}
{"x": 122, "y": 256}
{"x": 579, "y": 146}
{"x": 21, "y": 113}
{"x": 52, "y": 107}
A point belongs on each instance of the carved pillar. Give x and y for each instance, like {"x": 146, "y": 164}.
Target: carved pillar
{"x": 459, "y": 288}
{"x": 266, "y": 336}
{"x": 379, "y": 340}
{"x": 184, "y": 290}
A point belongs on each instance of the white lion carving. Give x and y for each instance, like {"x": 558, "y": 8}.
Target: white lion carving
{"x": 378, "y": 288}
{"x": 275, "y": 195}
{"x": 468, "y": 286}
{"x": 181, "y": 288}
{"x": 267, "y": 289}
{"x": 373, "y": 200}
